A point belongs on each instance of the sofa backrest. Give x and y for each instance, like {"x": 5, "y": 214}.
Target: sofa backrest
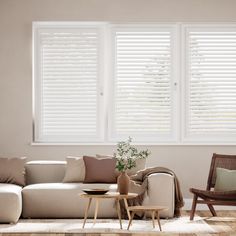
{"x": 45, "y": 171}
{"x": 54, "y": 171}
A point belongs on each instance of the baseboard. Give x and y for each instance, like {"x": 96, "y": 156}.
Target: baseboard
{"x": 202, "y": 207}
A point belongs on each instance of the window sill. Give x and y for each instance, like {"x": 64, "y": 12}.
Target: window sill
{"x": 138, "y": 144}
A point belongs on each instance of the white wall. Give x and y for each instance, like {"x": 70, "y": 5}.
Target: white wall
{"x": 191, "y": 163}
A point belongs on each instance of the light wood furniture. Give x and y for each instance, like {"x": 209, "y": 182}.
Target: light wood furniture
{"x": 210, "y": 197}
{"x": 98, "y": 197}
{"x": 154, "y": 210}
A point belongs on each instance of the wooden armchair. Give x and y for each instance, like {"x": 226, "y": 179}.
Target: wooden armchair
{"x": 209, "y": 196}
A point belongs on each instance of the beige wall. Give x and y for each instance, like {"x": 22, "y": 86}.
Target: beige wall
{"x": 190, "y": 163}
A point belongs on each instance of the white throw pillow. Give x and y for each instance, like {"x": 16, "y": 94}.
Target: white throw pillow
{"x": 225, "y": 180}
{"x": 75, "y": 170}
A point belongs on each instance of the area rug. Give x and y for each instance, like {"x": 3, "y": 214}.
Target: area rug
{"x": 176, "y": 225}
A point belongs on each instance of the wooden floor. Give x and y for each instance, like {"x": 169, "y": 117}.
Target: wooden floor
{"x": 224, "y": 220}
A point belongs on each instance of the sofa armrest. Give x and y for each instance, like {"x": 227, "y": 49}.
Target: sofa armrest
{"x": 161, "y": 192}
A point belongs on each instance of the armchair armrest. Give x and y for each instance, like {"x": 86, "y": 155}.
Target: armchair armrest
{"x": 161, "y": 193}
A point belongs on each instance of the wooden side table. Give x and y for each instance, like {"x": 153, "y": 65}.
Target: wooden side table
{"x": 154, "y": 212}
{"x": 98, "y": 197}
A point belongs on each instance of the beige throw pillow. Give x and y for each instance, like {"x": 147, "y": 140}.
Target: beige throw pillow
{"x": 140, "y": 165}
{"x": 225, "y": 180}
{"x": 12, "y": 170}
{"x": 100, "y": 170}
{"x": 75, "y": 170}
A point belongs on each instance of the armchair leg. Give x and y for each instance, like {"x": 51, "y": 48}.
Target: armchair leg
{"x": 194, "y": 204}
{"x": 212, "y": 210}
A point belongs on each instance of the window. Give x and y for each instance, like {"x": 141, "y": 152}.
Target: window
{"x": 210, "y": 83}
{"x": 102, "y": 82}
{"x": 68, "y": 62}
{"x": 143, "y": 95}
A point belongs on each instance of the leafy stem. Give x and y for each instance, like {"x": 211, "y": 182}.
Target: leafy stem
{"x": 127, "y": 155}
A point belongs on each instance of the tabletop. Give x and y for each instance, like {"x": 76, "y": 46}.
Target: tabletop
{"x": 110, "y": 195}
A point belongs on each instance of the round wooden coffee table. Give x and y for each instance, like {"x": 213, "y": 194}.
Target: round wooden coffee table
{"x": 98, "y": 197}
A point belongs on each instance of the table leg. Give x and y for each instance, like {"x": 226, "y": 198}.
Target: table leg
{"x": 131, "y": 218}
{"x": 127, "y": 207}
{"x": 158, "y": 219}
{"x": 118, "y": 211}
{"x": 96, "y": 210}
{"x": 153, "y": 219}
{"x": 86, "y": 211}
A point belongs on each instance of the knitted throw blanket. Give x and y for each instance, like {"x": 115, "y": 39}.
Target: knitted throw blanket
{"x": 139, "y": 185}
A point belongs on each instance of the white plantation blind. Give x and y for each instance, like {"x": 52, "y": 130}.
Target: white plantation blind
{"x": 142, "y": 102}
{"x": 67, "y": 73}
{"x": 211, "y": 83}
{"x": 102, "y": 82}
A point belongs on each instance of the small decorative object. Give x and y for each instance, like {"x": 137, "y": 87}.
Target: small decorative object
{"x": 126, "y": 157}
{"x": 123, "y": 181}
{"x": 95, "y": 191}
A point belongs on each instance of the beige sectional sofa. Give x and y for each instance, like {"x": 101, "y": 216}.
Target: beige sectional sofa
{"x": 46, "y": 196}
{"x": 10, "y": 203}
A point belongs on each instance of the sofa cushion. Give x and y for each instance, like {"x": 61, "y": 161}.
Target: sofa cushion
{"x": 75, "y": 170}
{"x": 99, "y": 170}
{"x": 10, "y": 203}
{"x": 140, "y": 165}
{"x": 62, "y": 200}
{"x": 45, "y": 171}
{"x": 12, "y": 170}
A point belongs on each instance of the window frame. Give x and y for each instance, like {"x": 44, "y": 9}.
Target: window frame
{"x": 174, "y": 81}
{"x": 106, "y": 86}
{"x": 226, "y": 139}
{"x": 37, "y": 81}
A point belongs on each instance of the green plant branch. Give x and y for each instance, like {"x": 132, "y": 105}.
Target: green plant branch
{"x": 127, "y": 155}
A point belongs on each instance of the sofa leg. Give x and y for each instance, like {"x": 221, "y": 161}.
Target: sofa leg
{"x": 194, "y": 204}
